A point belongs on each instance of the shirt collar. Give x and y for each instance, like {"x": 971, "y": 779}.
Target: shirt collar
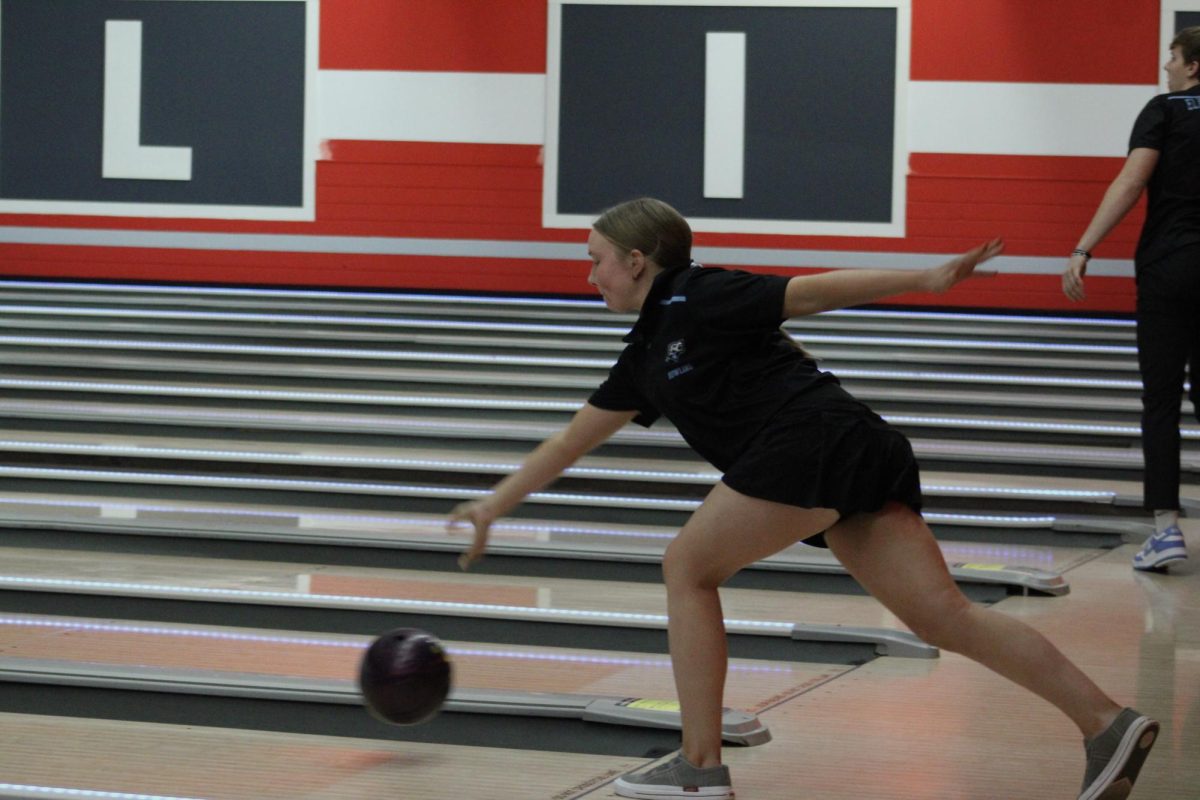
{"x": 663, "y": 286}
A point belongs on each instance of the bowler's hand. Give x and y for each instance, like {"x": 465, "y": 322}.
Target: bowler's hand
{"x": 958, "y": 269}
{"x": 1072, "y": 279}
{"x": 477, "y": 513}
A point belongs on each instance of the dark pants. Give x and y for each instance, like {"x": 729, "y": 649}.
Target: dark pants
{"x": 1168, "y": 338}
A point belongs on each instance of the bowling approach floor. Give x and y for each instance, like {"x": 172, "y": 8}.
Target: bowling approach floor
{"x": 892, "y": 728}
{"x": 136, "y": 422}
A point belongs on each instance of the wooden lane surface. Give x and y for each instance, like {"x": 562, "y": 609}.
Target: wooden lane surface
{"x": 307, "y": 581}
{"x": 892, "y": 731}
{"x": 220, "y": 764}
{"x": 752, "y": 686}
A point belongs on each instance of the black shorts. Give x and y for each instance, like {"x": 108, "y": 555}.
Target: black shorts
{"x": 827, "y": 450}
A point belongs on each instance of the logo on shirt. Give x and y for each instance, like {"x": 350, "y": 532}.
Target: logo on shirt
{"x": 1191, "y": 103}
{"x": 675, "y": 351}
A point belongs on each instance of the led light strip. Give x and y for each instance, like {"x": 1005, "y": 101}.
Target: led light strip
{"x": 398, "y": 604}
{"x": 406, "y": 424}
{"x": 980, "y": 377}
{"x": 540, "y": 361}
{"x": 1024, "y": 425}
{"x": 542, "y": 301}
{"x": 1004, "y": 554}
{"x": 359, "y": 488}
{"x": 55, "y": 791}
{"x": 292, "y": 394}
{"x": 317, "y": 458}
{"x": 333, "y": 352}
{"x": 567, "y": 658}
{"x": 1187, "y": 432}
{"x": 291, "y": 516}
{"x": 317, "y": 319}
{"x": 1106, "y": 456}
{"x": 305, "y": 293}
{"x": 925, "y": 446}
{"x": 93, "y": 627}
{"x": 699, "y": 476}
{"x": 1016, "y": 521}
{"x": 973, "y": 344}
{"x": 522, "y": 405}
{"x": 549, "y": 497}
{"x": 1090, "y": 322}
{"x": 1018, "y": 491}
{"x": 445, "y": 401}
{"x": 539, "y": 328}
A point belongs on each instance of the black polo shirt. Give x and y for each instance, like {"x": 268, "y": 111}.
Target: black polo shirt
{"x": 707, "y": 353}
{"x": 1170, "y": 124}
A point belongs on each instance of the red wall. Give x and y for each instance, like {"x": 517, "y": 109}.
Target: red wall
{"x": 1040, "y": 204}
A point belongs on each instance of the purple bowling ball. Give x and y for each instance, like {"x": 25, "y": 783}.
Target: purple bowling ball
{"x": 405, "y": 676}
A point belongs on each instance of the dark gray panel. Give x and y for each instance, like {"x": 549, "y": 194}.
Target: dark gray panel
{"x": 518, "y": 731}
{"x": 226, "y": 79}
{"x": 1186, "y": 19}
{"x": 819, "y": 110}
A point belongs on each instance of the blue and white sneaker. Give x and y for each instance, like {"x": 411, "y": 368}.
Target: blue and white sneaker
{"x": 1160, "y": 550}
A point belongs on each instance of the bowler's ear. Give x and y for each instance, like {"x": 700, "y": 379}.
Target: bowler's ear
{"x": 637, "y": 262}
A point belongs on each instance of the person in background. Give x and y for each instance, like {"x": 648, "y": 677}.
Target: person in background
{"x": 1164, "y": 157}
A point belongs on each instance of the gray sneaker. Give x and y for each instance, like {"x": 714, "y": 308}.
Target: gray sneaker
{"x": 1115, "y": 756}
{"x": 676, "y": 778}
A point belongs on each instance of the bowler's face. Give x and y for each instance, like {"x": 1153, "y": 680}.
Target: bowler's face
{"x": 612, "y": 274}
{"x": 1177, "y": 71}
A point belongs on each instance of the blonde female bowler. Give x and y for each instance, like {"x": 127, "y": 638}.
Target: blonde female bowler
{"x": 801, "y": 460}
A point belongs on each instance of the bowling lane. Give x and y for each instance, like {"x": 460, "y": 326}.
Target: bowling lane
{"x": 234, "y": 652}
{"x": 450, "y": 593}
{"x": 349, "y": 527}
{"x": 175, "y": 761}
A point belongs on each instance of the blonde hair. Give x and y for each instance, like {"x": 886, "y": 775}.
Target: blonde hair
{"x": 651, "y": 226}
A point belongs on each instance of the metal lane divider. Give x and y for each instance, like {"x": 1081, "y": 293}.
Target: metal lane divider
{"x": 114, "y": 444}
{"x": 628, "y": 726}
{"x": 484, "y": 622}
{"x": 789, "y": 571}
{"x": 927, "y": 354}
{"x": 1124, "y": 458}
{"x": 856, "y": 322}
{"x": 484, "y": 372}
{"x": 283, "y": 300}
{"x": 948, "y": 523}
{"x": 482, "y": 399}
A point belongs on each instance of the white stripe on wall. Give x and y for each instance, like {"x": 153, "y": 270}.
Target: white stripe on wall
{"x": 476, "y": 107}
{"x": 1034, "y": 119}
{"x": 1050, "y": 119}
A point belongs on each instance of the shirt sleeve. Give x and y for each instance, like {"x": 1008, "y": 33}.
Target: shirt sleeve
{"x": 620, "y": 392}
{"x": 734, "y": 300}
{"x": 1150, "y": 129}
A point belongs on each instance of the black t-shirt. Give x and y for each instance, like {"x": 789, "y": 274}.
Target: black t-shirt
{"x": 1170, "y": 124}
{"x": 707, "y": 352}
